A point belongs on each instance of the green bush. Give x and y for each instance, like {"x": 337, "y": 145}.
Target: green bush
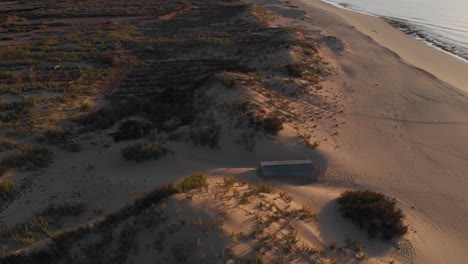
{"x": 194, "y": 181}
{"x": 374, "y": 212}
{"x": 143, "y": 151}
{"x": 7, "y": 189}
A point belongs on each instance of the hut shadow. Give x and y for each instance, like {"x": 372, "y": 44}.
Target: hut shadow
{"x": 334, "y": 227}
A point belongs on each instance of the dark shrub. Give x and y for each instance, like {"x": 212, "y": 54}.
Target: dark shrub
{"x": 34, "y": 157}
{"x": 374, "y": 212}
{"x": 55, "y": 213}
{"x": 7, "y": 189}
{"x": 143, "y": 151}
{"x": 3, "y": 171}
{"x": 103, "y": 118}
{"x": 294, "y": 70}
{"x": 132, "y": 129}
{"x": 272, "y": 125}
{"x": 205, "y": 135}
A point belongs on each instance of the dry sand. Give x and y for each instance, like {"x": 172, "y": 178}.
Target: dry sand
{"x": 406, "y": 121}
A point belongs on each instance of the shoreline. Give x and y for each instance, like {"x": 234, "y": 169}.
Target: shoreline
{"x": 409, "y": 29}
{"x": 447, "y": 67}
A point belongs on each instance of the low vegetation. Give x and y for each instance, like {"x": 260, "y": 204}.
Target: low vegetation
{"x": 56, "y": 212}
{"x": 261, "y": 188}
{"x": 31, "y": 157}
{"x": 272, "y": 125}
{"x": 373, "y": 212}
{"x": 142, "y": 151}
{"x": 132, "y": 129}
{"x": 62, "y": 242}
{"x": 195, "y": 181}
{"x": 7, "y": 190}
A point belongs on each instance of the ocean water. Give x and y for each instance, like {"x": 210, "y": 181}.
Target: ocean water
{"x": 442, "y": 23}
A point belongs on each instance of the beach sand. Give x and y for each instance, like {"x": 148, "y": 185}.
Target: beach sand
{"x": 406, "y": 121}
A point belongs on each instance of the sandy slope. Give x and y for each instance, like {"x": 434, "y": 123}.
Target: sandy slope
{"x": 405, "y": 131}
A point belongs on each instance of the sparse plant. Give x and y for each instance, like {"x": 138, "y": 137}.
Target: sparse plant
{"x": 7, "y": 189}
{"x": 132, "y": 129}
{"x": 244, "y": 199}
{"x": 229, "y": 182}
{"x": 354, "y": 245}
{"x": 55, "y": 213}
{"x": 31, "y": 157}
{"x": 142, "y": 151}
{"x": 272, "y": 125}
{"x": 85, "y": 107}
{"x": 261, "y": 188}
{"x": 194, "y": 181}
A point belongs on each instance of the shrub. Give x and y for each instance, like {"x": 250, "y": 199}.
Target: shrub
{"x": 132, "y": 129}
{"x": 294, "y": 70}
{"x": 35, "y": 157}
{"x": 28, "y": 233}
{"x": 142, "y": 151}
{"x": 205, "y": 135}
{"x": 244, "y": 199}
{"x": 3, "y": 171}
{"x": 55, "y": 213}
{"x": 374, "y": 212}
{"x": 229, "y": 182}
{"x": 272, "y": 125}
{"x": 194, "y": 181}
{"x": 7, "y": 189}
{"x": 85, "y": 107}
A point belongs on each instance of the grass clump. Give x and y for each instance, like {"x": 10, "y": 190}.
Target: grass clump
{"x": 56, "y": 213}
{"x": 229, "y": 182}
{"x": 194, "y": 181}
{"x": 132, "y": 129}
{"x": 7, "y": 189}
{"x": 374, "y": 212}
{"x": 36, "y": 157}
{"x": 272, "y": 125}
{"x": 28, "y": 233}
{"x": 142, "y": 151}
{"x": 261, "y": 188}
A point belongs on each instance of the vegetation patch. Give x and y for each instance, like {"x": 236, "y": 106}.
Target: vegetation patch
{"x": 35, "y": 157}
{"x": 142, "y": 151}
{"x": 132, "y": 129}
{"x": 194, "y": 181}
{"x": 272, "y": 125}
{"x": 261, "y": 188}
{"x": 374, "y": 212}
{"x": 56, "y": 213}
{"x": 7, "y": 190}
